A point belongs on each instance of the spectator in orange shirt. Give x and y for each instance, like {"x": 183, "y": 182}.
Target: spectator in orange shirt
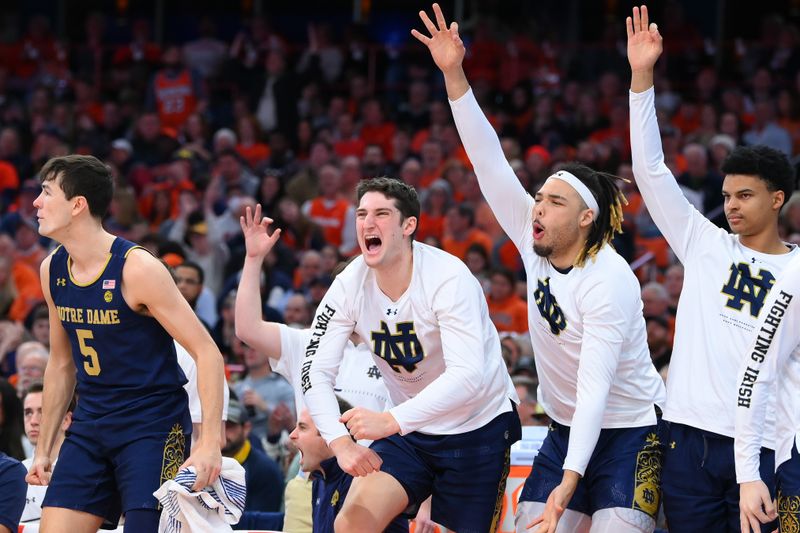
{"x": 374, "y": 128}
{"x": 506, "y": 309}
{"x": 250, "y": 147}
{"x": 460, "y": 231}
{"x": 433, "y": 162}
{"x": 436, "y": 200}
{"x": 332, "y": 212}
{"x": 346, "y": 140}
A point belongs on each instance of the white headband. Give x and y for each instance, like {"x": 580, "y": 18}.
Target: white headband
{"x": 582, "y": 190}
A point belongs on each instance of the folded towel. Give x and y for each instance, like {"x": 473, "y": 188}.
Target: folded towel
{"x": 213, "y": 509}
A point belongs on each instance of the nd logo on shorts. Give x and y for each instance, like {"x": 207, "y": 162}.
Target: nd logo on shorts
{"x": 647, "y": 484}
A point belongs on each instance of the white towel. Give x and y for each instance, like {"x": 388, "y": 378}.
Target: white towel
{"x": 213, "y": 509}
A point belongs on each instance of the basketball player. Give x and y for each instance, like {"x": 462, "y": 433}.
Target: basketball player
{"x": 771, "y": 367}
{"x": 600, "y": 462}
{"x": 114, "y": 310}
{"x": 727, "y": 277}
{"x": 426, "y": 321}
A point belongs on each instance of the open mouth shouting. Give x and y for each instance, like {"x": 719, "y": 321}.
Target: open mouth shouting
{"x": 538, "y": 231}
{"x": 372, "y": 243}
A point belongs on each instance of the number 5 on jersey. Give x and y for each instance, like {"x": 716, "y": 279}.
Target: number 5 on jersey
{"x": 92, "y": 364}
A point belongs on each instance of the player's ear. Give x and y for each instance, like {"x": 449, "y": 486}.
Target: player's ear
{"x": 409, "y": 226}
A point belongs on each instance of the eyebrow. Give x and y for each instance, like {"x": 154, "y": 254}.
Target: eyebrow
{"x": 551, "y": 196}
{"x": 740, "y": 191}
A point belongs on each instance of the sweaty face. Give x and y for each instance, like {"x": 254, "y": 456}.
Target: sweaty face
{"x": 749, "y": 206}
{"x": 381, "y": 230}
{"x": 556, "y": 217}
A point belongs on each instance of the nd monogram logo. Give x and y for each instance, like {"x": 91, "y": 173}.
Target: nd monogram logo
{"x": 402, "y": 349}
{"x": 744, "y": 288}
{"x": 548, "y": 307}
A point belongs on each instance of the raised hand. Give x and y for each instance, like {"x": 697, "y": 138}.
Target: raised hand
{"x": 257, "y": 241}
{"x": 445, "y": 45}
{"x": 644, "y": 41}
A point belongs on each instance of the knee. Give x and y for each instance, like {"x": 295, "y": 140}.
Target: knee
{"x": 345, "y": 523}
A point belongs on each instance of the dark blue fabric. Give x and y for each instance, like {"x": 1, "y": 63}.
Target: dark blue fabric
{"x": 264, "y": 483}
{"x": 465, "y": 473}
{"x": 328, "y": 492}
{"x": 624, "y": 470}
{"x": 12, "y": 491}
{"x": 699, "y": 481}
{"x": 125, "y": 362}
{"x": 105, "y": 481}
{"x": 787, "y": 483}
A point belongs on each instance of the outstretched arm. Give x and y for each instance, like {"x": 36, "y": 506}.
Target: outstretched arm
{"x": 250, "y": 327}
{"x": 511, "y": 204}
{"x": 681, "y": 224}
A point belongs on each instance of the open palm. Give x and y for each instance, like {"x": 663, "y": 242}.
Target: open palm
{"x": 644, "y": 41}
{"x": 445, "y": 45}
{"x": 257, "y": 241}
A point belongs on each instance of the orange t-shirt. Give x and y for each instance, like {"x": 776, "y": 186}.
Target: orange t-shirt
{"x": 510, "y": 314}
{"x": 329, "y": 217}
{"x": 459, "y": 248}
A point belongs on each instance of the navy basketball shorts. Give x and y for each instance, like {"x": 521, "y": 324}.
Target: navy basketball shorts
{"x": 787, "y": 484}
{"x": 466, "y": 473}
{"x": 106, "y": 477}
{"x": 699, "y": 481}
{"x": 624, "y": 470}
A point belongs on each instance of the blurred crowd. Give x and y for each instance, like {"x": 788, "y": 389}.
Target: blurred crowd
{"x": 196, "y": 132}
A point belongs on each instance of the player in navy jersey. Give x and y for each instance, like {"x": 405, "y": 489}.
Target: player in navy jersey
{"x": 114, "y": 311}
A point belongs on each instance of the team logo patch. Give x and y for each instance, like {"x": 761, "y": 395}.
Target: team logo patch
{"x": 789, "y": 513}
{"x": 401, "y": 349}
{"x": 109, "y": 284}
{"x": 61, "y": 282}
{"x": 335, "y": 498}
{"x": 743, "y": 288}
{"x": 647, "y": 478}
{"x": 107, "y": 296}
{"x": 548, "y": 307}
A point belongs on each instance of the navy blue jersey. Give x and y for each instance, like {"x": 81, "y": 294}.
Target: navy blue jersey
{"x": 126, "y": 364}
{"x": 328, "y": 492}
{"x": 12, "y": 494}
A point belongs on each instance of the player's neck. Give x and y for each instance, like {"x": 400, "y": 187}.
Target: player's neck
{"x": 565, "y": 259}
{"x": 87, "y": 244}
{"x": 765, "y": 242}
{"x": 395, "y": 277}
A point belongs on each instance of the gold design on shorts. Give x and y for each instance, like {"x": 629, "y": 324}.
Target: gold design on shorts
{"x": 789, "y": 513}
{"x": 501, "y": 493}
{"x": 174, "y": 448}
{"x": 647, "y": 479}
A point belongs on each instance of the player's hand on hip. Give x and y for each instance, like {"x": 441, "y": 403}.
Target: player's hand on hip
{"x": 257, "y": 241}
{"x": 207, "y": 463}
{"x": 445, "y": 45}
{"x": 355, "y": 459}
{"x": 40, "y": 471}
{"x": 553, "y": 509}
{"x": 755, "y": 506}
{"x": 644, "y": 41}
{"x": 365, "y": 424}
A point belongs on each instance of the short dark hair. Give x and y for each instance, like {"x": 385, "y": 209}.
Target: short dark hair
{"x": 38, "y": 386}
{"x": 82, "y": 175}
{"x": 506, "y": 273}
{"x": 465, "y": 210}
{"x": 404, "y": 196}
{"x": 606, "y": 191}
{"x": 196, "y": 267}
{"x": 768, "y": 164}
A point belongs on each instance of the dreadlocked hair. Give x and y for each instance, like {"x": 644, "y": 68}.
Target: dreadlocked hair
{"x": 610, "y": 200}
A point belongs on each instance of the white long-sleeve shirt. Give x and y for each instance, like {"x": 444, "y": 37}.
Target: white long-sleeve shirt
{"x": 436, "y": 347}
{"x": 725, "y": 286}
{"x": 771, "y": 367}
{"x": 358, "y": 380}
{"x": 591, "y": 350}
